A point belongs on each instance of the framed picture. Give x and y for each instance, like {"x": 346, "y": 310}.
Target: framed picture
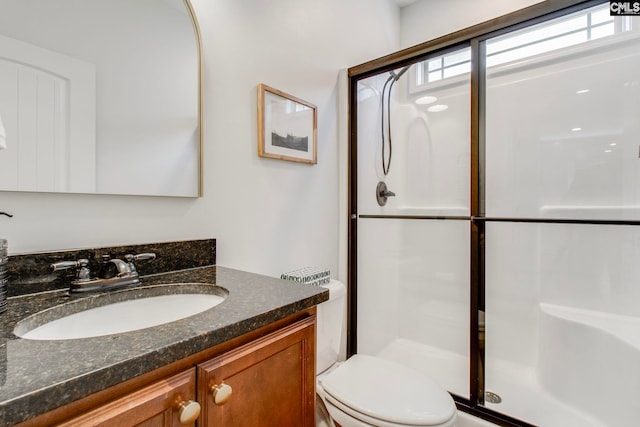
{"x": 286, "y": 126}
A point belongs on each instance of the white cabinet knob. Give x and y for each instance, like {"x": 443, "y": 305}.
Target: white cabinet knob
{"x": 189, "y": 412}
{"x": 221, "y": 393}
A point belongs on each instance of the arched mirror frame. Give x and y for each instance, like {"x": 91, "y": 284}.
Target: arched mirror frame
{"x": 190, "y": 159}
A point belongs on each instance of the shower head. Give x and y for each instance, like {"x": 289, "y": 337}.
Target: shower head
{"x": 386, "y": 93}
{"x": 396, "y": 76}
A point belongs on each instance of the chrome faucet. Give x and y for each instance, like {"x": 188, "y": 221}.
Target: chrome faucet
{"x": 114, "y": 273}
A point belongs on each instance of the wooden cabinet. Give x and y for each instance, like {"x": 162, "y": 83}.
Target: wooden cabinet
{"x": 267, "y": 378}
{"x": 157, "y": 405}
{"x": 269, "y": 382}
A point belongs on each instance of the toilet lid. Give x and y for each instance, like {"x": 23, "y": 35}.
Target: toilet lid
{"x": 388, "y": 391}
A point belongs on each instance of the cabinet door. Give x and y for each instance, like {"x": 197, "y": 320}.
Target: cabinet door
{"x": 272, "y": 381}
{"x": 157, "y": 405}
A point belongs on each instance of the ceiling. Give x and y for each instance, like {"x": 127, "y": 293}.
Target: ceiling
{"x": 403, "y": 3}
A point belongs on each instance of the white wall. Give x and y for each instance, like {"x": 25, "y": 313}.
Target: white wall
{"x": 425, "y": 20}
{"x": 268, "y": 215}
{"x": 273, "y": 216}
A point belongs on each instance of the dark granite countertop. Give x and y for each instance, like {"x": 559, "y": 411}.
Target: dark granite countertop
{"x": 38, "y": 376}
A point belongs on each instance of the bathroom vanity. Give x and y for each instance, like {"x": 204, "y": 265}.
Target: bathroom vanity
{"x": 247, "y": 361}
{"x": 265, "y": 381}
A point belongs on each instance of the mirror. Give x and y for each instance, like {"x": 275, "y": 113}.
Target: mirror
{"x": 100, "y": 96}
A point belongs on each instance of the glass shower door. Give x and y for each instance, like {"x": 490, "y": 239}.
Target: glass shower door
{"x": 413, "y": 250}
{"x": 562, "y": 235}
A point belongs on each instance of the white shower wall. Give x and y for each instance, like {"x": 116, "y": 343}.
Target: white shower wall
{"x": 413, "y": 275}
{"x": 429, "y": 170}
{"x": 562, "y": 315}
{"x": 562, "y": 133}
{"x": 413, "y": 295}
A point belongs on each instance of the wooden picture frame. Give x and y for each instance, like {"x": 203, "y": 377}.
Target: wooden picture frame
{"x": 287, "y": 126}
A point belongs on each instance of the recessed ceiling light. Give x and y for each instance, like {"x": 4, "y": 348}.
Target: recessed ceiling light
{"x": 437, "y": 108}
{"x": 583, "y": 90}
{"x": 576, "y": 129}
{"x": 613, "y": 144}
{"x": 607, "y": 151}
{"x": 426, "y": 100}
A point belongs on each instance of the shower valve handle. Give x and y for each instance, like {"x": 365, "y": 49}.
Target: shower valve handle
{"x": 382, "y": 193}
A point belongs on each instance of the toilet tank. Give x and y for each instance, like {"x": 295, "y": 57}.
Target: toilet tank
{"x": 331, "y": 315}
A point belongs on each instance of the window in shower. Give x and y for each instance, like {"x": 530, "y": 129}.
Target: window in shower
{"x": 590, "y": 24}
{"x": 444, "y": 66}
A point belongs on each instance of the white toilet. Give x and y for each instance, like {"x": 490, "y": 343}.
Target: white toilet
{"x": 366, "y": 391}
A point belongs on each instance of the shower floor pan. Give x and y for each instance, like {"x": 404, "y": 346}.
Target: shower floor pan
{"x": 516, "y": 385}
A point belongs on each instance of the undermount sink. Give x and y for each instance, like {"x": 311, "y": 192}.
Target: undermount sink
{"x": 122, "y": 311}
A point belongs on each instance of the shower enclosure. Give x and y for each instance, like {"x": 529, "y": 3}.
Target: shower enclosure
{"x": 505, "y": 261}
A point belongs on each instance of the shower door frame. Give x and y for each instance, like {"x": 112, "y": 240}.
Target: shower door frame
{"x": 474, "y": 37}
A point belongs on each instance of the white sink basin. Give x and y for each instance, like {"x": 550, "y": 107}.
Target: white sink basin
{"x": 124, "y": 316}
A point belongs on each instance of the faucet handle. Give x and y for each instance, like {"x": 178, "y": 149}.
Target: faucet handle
{"x": 65, "y": 265}
{"x": 130, "y": 258}
{"x": 139, "y": 257}
{"x": 144, "y": 256}
{"x": 82, "y": 264}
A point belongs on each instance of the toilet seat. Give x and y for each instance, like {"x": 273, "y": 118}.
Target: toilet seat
{"x": 384, "y": 393}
